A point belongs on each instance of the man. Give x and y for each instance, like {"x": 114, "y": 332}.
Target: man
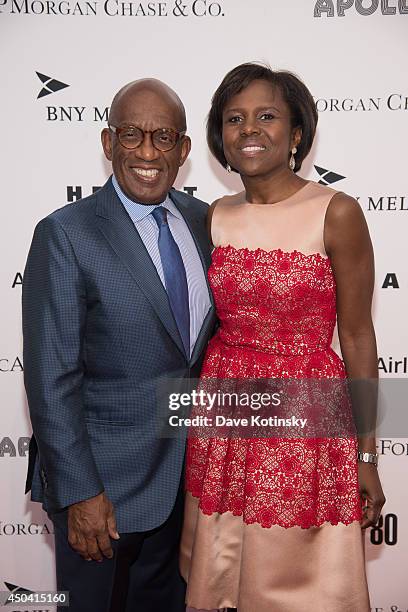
{"x": 115, "y": 300}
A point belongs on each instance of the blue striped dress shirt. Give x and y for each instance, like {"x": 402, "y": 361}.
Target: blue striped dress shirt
{"x": 198, "y": 297}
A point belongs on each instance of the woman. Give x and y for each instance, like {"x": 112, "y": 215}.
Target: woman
{"x": 275, "y": 524}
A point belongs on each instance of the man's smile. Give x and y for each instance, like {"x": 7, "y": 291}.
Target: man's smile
{"x": 146, "y": 175}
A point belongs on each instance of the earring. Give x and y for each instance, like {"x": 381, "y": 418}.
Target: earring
{"x": 228, "y": 168}
{"x": 292, "y": 162}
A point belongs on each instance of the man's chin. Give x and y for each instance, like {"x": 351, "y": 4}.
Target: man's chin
{"x": 146, "y": 194}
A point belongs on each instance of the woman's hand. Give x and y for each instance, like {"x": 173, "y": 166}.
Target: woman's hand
{"x": 371, "y": 493}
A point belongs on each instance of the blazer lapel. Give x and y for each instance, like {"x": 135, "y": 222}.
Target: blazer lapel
{"x": 119, "y": 230}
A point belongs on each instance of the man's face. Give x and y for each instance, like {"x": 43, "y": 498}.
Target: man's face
{"x": 149, "y": 111}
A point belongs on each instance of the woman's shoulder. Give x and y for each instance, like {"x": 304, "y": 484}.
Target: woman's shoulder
{"x": 218, "y": 209}
{"x": 345, "y": 223}
{"x": 229, "y": 200}
{"x": 343, "y": 208}
{"x": 336, "y": 205}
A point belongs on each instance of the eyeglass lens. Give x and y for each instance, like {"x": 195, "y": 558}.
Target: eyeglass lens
{"x": 163, "y": 139}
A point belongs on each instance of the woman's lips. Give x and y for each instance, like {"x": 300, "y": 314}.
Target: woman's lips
{"x": 252, "y": 150}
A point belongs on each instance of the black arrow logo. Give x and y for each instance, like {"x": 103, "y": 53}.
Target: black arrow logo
{"x": 50, "y": 85}
{"x": 14, "y": 589}
{"x": 327, "y": 176}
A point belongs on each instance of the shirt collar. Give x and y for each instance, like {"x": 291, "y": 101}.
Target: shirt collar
{"x": 138, "y": 211}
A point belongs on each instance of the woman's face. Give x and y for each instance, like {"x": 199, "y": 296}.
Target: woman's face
{"x": 257, "y": 133}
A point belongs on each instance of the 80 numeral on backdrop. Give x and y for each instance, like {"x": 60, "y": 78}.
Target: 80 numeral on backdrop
{"x": 386, "y": 532}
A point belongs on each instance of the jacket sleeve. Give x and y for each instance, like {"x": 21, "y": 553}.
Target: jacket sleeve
{"x": 54, "y": 320}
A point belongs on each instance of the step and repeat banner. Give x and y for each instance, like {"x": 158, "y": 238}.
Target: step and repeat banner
{"x": 61, "y": 63}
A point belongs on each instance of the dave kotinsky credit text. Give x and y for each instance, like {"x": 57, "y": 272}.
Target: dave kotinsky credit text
{"x": 228, "y": 403}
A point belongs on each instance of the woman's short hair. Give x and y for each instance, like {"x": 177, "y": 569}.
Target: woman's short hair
{"x": 294, "y": 92}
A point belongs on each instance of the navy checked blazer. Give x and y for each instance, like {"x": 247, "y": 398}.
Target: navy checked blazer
{"x": 99, "y": 335}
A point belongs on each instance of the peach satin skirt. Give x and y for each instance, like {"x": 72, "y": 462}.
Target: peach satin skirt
{"x": 227, "y": 563}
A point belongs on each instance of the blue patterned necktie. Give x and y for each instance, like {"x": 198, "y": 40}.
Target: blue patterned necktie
{"x": 175, "y": 277}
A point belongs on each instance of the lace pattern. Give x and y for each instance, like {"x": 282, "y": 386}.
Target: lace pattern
{"x": 277, "y": 313}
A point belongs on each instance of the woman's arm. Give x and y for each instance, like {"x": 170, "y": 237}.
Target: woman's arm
{"x": 348, "y": 245}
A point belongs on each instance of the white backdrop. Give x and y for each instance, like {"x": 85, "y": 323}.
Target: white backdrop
{"x": 350, "y": 54}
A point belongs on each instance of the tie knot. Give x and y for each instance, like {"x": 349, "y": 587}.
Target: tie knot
{"x": 160, "y": 215}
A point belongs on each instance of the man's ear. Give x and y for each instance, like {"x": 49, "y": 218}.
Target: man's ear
{"x": 185, "y": 149}
{"x": 107, "y": 143}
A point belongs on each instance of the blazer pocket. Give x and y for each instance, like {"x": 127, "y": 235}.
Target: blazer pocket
{"x": 110, "y": 423}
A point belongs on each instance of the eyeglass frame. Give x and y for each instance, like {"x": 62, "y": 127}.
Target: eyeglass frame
{"x": 117, "y": 129}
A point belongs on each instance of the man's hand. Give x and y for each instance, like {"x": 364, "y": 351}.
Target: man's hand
{"x": 91, "y": 524}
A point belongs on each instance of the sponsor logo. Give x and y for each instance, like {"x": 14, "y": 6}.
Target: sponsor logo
{"x": 328, "y": 177}
{"x": 25, "y": 529}
{"x": 76, "y": 192}
{"x": 190, "y": 190}
{"x": 114, "y": 8}
{"x": 390, "y": 281}
{"x": 17, "y": 281}
{"x": 391, "y": 447}
{"x": 19, "y": 448}
{"x": 386, "y": 531}
{"x": 72, "y": 114}
{"x": 389, "y": 365}
{"x": 392, "y": 102}
{"x": 11, "y": 365}
{"x": 339, "y": 8}
{"x": 385, "y": 203}
{"x": 50, "y": 85}
{"x": 13, "y": 588}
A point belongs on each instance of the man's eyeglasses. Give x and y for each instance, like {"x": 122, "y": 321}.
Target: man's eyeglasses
{"x": 131, "y": 137}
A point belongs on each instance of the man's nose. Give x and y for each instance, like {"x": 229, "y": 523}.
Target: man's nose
{"x": 146, "y": 150}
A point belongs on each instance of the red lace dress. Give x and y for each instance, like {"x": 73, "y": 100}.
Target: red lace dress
{"x": 272, "y": 524}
